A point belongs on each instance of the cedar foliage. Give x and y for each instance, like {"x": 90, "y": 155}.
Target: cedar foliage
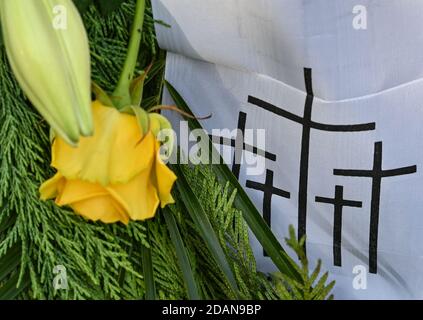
{"x": 104, "y": 261}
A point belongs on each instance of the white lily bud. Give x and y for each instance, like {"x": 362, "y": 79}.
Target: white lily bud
{"x": 48, "y": 51}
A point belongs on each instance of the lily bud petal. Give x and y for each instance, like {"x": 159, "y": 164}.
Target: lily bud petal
{"x": 48, "y": 51}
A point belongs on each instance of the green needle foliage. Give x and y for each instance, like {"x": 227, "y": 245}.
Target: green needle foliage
{"x": 106, "y": 261}
{"x": 312, "y": 286}
{"x": 217, "y": 201}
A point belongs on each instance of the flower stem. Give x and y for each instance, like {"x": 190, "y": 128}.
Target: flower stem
{"x": 121, "y": 96}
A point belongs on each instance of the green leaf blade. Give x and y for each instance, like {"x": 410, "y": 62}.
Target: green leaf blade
{"x": 200, "y": 218}
{"x": 148, "y": 271}
{"x": 182, "y": 255}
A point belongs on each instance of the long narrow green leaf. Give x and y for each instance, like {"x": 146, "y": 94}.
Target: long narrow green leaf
{"x": 9, "y": 290}
{"x": 8, "y": 264}
{"x": 10, "y": 261}
{"x": 6, "y": 223}
{"x": 181, "y": 253}
{"x": 155, "y": 70}
{"x": 253, "y": 218}
{"x": 201, "y": 220}
{"x": 147, "y": 266}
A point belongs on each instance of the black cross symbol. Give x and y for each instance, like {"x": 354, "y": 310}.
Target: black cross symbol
{"x": 376, "y": 174}
{"x": 268, "y": 191}
{"x": 339, "y": 203}
{"x": 307, "y": 125}
{"x": 239, "y": 145}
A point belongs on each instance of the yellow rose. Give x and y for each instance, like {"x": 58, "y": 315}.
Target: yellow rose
{"x": 115, "y": 175}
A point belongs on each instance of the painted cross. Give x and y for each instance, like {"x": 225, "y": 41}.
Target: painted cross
{"x": 239, "y": 145}
{"x": 338, "y": 203}
{"x": 307, "y": 124}
{"x": 376, "y": 174}
{"x": 268, "y": 191}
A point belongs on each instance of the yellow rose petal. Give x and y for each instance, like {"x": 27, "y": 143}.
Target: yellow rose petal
{"x": 114, "y": 154}
{"x": 78, "y": 190}
{"x": 138, "y": 197}
{"x": 50, "y": 188}
{"x": 164, "y": 178}
{"x": 103, "y": 208}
